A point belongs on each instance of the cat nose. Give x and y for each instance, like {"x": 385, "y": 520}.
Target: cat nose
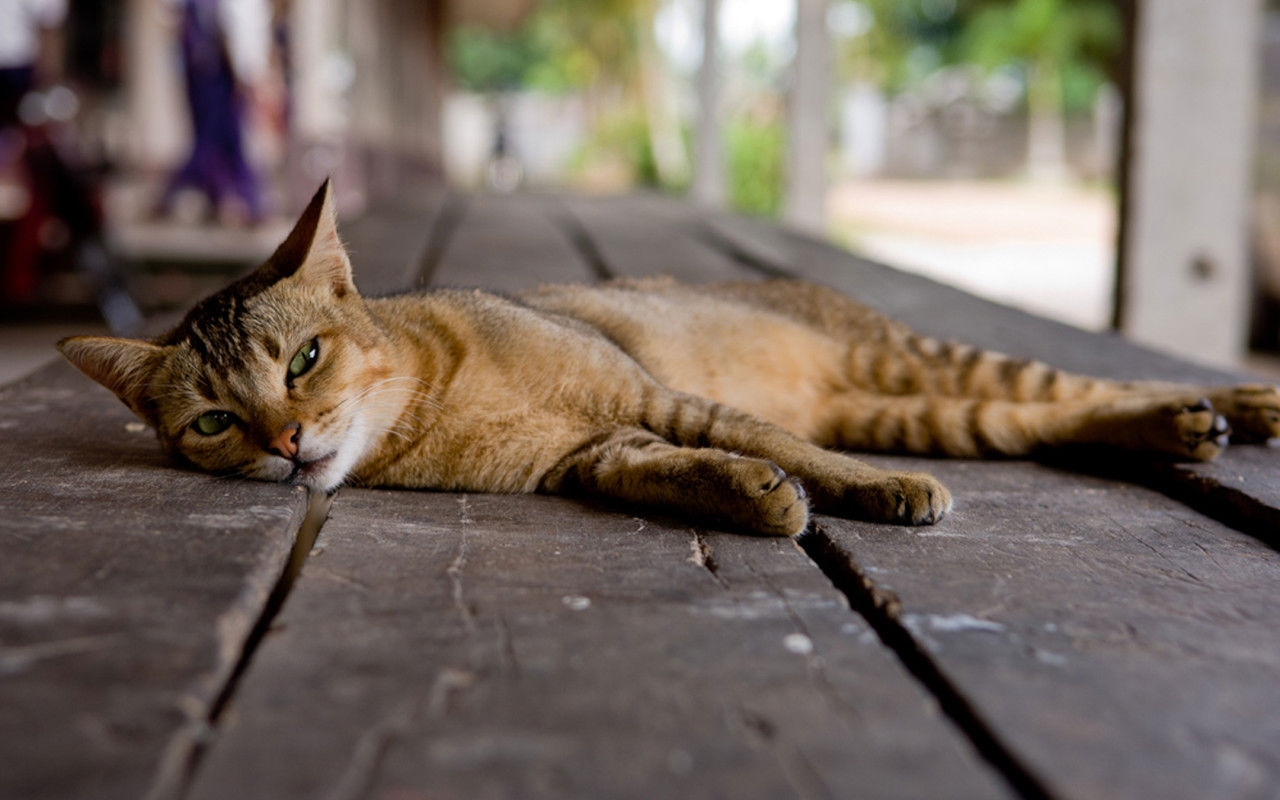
{"x": 285, "y": 444}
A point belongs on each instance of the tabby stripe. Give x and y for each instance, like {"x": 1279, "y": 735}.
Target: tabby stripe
{"x": 877, "y": 431}
{"x": 205, "y": 387}
{"x": 976, "y": 425}
{"x": 1049, "y": 385}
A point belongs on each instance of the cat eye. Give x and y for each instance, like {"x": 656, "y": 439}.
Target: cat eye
{"x": 303, "y": 360}
{"x": 211, "y": 423}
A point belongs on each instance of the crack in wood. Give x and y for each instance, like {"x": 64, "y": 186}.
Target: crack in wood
{"x": 454, "y": 570}
{"x": 182, "y": 758}
{"x": 796, "y": 768}
{"x": 882, "y": 611}
{"x": 354, "y": 781}
{"x": 1217, "y": 500}
{"x": 586, "y": 246}
{"x": 446, "y": 223}
{"x": 703, "y": 556}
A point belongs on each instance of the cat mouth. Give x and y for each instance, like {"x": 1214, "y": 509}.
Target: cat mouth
{"x": 306, "y": 471}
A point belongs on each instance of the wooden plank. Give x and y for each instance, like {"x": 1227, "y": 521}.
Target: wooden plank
{"x": 507, "y": 243}
{"x": 389, "y": 242}
{"x": 1119, "y": 643}
{"x": 647, "y": 235}
{"x": 1241, "y": 487}
{"x": 127, "y": 591}
{"x": 489, "y": 646}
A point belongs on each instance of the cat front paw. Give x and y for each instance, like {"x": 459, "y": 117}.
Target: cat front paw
{"x": 776, "y": 504}
{"x": 901, "y": 498}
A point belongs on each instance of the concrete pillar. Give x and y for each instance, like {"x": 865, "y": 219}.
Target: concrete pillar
{"x": 158, "y": 123}
{"x": 708, "y": 169}
{"x": 1184, "y": 281}
{"x": 805, "y": 203}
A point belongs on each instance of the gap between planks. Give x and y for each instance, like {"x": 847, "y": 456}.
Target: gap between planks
{"x": 178, "y": 767}
{"x": 882, "y": 611}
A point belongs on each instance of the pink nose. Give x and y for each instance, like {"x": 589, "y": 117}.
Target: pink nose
{"x": 285, "y": 444}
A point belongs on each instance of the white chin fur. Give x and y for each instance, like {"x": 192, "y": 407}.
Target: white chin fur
{"x": 346, "y": 455}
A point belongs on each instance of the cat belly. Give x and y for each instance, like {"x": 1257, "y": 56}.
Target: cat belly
{"x": 779, "y": 373}
{"x": 757, "y": 361}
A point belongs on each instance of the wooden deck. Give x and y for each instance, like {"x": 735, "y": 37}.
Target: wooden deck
{"x": 1064, "y": 634}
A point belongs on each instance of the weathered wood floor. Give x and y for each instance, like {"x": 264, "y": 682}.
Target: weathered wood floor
{"x": 1065, "y": 634}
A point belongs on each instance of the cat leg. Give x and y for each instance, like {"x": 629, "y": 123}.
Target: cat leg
{"x": 967, "y": 427}
{"x": 922, "y": 365}
{"x": 639, "y": 467}
{"x": 914, "y": 364}
{"x": 836, "y": 483}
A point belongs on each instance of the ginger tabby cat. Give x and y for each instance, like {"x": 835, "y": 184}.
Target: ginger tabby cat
{"x": 714, "y": 401}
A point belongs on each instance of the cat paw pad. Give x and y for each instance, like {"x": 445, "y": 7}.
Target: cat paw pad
{"x": 777, "y": 504}
{"x": 907, "y": 498}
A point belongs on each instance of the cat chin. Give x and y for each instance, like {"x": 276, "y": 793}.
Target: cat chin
{"x": 341, "y": 461}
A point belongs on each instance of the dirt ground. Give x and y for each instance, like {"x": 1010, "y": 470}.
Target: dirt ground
{"x": 1048, "y": 249}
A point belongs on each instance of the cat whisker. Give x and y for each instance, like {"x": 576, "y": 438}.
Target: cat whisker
{"x": 382, "y": 384}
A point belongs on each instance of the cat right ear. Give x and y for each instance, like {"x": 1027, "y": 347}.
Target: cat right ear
{"x": 313, "y": 253}
{"x": 121, "y": 365}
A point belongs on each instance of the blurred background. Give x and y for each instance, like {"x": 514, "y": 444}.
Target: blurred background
{"x": 1108, "y": 163}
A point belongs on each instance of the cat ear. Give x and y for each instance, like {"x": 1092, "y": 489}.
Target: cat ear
{"x": 312, "y": 253}
{"x": 121, "y": 365}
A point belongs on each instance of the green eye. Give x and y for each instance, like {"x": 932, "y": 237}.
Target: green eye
{"x": 304, "y": 359}
{"x": 211, "y": 423}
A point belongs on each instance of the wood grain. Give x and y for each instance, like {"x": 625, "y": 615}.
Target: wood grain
{"x": 1121, "y": 644}
{"x": 127, "y": 590}
{"x": 506, "y": 243}
{"x": 488, "y": 646}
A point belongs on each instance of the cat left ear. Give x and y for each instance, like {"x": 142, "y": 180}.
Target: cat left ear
{"x": 313, "y": 253}
{"x": 121, "y": 365}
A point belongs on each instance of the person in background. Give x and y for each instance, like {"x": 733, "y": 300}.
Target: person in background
{"x": 27, "y": 60}
{"x": 225, "y": 46}
{"x": 24, "y": 25}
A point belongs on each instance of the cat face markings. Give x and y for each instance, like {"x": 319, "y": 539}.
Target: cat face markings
{"x": 234, "y": 389}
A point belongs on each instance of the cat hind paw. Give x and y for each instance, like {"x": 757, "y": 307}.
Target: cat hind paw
{"x": 905, "y": 498}
{"x": 779, "y": 503}
{"x": 1253, "y": 410}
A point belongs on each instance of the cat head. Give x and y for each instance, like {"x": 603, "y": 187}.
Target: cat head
{"x": 266, "y": 378}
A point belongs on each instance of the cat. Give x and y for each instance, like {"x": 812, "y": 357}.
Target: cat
{"x": 719, "y": 402}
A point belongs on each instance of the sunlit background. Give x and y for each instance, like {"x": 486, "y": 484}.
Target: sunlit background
{"x": 975, "y": 141}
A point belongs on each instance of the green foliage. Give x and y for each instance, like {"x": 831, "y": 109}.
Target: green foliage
{"x": 1074, "y": 42}
{"x": 756, "y": 151}
{"x": 565, "y": 45}
{"x": 623, "y": 137}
